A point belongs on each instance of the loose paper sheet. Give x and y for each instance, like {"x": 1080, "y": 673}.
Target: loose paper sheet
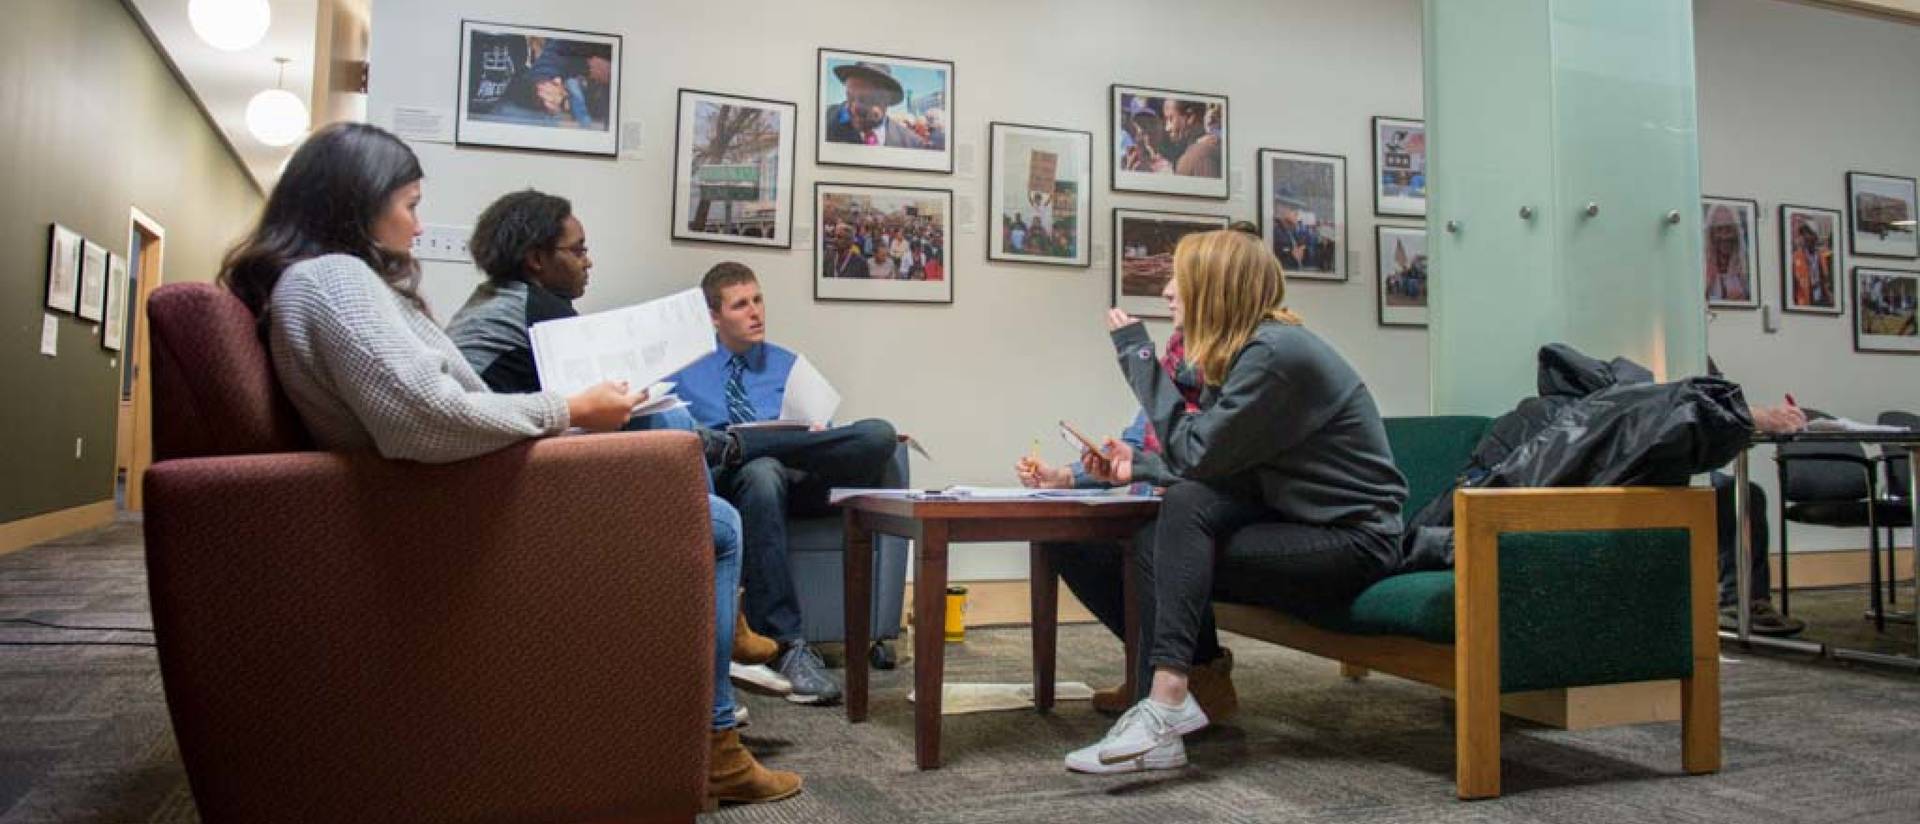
{"x": 808, "y": 397}
{"x": 638, "y": 344}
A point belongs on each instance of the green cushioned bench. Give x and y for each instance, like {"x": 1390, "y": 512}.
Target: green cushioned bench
{"x": 1552, "y": 588}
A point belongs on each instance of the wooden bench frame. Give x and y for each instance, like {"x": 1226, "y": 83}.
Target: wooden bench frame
{"x": 1470, "y": 666}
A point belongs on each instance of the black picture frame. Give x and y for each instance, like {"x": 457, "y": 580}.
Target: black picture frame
{"x": 832, "y": 153}
{"x": 1380, "y": 231}
{"x": 1120, "y": 180}
{"x": 1858, "y": 243}
{"x": 485, "y": 132}
{"x": 1751, "y": 244}
{"x": 820, "y": 251}
{"x": 1391, "y": 205}
{"x": 1837, "y": 265}
{"x": 63, "y": 268}
{"x": 787, "y": 158}
{"x": 1267, "y": 195}
{"x": 1150, "y": 306}
{"x": 1083, "y": 224}
{"x": 1861, "y": 338}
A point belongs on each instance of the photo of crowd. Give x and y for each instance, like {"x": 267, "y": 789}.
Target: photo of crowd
{"x": 533, "y": 80}
{"x": 883, "y": 236}
{"x": 1304, "y": 201}
{"x": 1403, "y": 276}
{"x": 1145, "y": 263}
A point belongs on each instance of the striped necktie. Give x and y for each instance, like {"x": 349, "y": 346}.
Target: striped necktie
{"x": 739, "y": 409}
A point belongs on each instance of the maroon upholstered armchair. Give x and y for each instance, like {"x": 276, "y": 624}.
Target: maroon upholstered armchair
{"x": 525, "y": 636}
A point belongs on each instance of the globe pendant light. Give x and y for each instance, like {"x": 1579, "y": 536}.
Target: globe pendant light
{"x": 277, "y": 117}
{"x": 230, "y": 25}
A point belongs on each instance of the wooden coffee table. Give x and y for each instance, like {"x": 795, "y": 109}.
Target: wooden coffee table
{"x": 933, "y": 525}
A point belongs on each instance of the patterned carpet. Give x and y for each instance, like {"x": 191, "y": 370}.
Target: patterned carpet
{"x": 84, "y": 736}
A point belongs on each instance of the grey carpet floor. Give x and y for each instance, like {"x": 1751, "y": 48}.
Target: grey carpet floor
{"x": 84, "y": 735}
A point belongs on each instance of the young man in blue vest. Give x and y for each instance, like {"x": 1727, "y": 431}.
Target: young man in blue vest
{"x": 784, "y": 472}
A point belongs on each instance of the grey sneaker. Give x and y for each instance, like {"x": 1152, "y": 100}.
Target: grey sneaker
{"x": 802, "y": 668}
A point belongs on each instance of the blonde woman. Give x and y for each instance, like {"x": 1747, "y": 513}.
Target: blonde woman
{"x": 1282, "y": 478}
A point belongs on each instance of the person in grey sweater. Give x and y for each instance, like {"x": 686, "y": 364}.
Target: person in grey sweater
{"x": 329, "y": 274}
{"x": 1285, "y": 464}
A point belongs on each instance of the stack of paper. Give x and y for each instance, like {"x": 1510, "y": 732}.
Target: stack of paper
{"x": 638, "y": 344}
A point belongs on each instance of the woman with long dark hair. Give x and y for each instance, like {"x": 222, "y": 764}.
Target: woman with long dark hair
{"x": 328, "y": 273}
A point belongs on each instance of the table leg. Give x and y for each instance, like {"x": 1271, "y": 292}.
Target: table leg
{"x": 858, "y": 596}
{"x": 1044, "y": 585}
{"x": 1132, "y": 621}
{"x": 1913, "y": 500}
{"x": 929, "y": 640}
{"x": 1743, "y": 546}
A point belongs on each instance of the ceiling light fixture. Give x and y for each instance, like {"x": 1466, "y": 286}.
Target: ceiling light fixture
{"x": 230, "y": 25}
{"x": 277, "y": 117}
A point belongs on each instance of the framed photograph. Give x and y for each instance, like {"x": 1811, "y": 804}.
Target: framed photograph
{"x": 1883, "y": 213}
{"x": 1169, "y": 143}
{"x": 1040, "y": 190}
{"x": 1143, "y": 245}
{"x": 113, "y": 332}
{"x": 1731, "y": 264}
{"x": 882, "y": 243}
{"x": 1399, "y": 167}
{"x": 1810, "y": 261}
{"x": 733, "y": 170}
{"x": 63, "y": 268}
{"x": 1402, "y": 263}
{"x": 1303, "y": 212}
{"x": 1884, "y": 319}
{"x": 885, "y": 111}
{"x": 525, "y": 87}
{"x": 93, "y": 282}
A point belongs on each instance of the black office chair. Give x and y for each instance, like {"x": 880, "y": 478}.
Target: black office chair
{"x": 1898, "y": 485}
{"x": 1834, "y": 484}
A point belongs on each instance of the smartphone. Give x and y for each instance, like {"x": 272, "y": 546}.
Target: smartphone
{"x": 1068, "y": 430}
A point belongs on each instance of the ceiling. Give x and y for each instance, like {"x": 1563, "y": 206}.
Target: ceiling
{"x": 225, "y": 81}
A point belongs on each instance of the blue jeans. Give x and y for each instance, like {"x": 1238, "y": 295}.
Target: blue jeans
{"x": 726, "y": 585}
{"x": 726, "y": 570}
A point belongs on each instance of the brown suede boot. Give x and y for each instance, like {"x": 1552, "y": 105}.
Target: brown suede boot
{"x": 734, "y": 777}
{"x": 1212, "y": 687}
{"x": 750, "y": 647}
{"x": 1112, "y": 699}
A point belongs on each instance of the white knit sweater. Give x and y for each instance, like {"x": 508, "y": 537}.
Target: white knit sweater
{"x": 367, "y": 370}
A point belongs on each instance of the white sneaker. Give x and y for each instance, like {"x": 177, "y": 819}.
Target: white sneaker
{"x": 1148, "y": 727}
{"x": 758, "y": 678}
{"x": 1172, "y": 756}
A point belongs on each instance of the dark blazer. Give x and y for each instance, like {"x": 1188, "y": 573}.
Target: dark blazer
{"x": 840, "y": 130}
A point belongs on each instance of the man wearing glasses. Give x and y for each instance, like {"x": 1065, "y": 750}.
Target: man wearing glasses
{"x": 862, "y": 117}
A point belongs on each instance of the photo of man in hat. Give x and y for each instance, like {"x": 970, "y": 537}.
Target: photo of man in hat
{"x": 862, "y": 117}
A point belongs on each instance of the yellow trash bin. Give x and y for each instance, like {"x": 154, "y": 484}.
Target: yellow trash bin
{"x": 956, "y": 614}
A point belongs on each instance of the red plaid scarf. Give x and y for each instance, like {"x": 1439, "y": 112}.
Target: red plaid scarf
{"x": 1176, "y": 355}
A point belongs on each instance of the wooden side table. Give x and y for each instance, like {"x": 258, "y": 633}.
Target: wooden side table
{"x": 933, "y": 525}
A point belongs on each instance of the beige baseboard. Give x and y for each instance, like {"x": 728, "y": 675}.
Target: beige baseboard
{"x": 23, "y": 533}
{"x": 1812, "y": 570}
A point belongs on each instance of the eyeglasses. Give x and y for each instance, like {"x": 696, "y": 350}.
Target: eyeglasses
{"x": 578, "y": 250}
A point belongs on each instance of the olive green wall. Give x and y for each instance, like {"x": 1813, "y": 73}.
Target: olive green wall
{"x": 95, "y": 123}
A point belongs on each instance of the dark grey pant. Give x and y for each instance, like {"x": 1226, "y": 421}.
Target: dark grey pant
{"x": 1262, "y": 560}
{"x": 1094, "y": 573}
{"x": 1760, "y": 586}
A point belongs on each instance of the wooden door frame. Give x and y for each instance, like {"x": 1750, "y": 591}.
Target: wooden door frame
{"x": 151, "y": 269}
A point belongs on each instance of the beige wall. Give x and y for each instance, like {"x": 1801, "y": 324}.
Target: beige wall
{"x": 96, "y": 124}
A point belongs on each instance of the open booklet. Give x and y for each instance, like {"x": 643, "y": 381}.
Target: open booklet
{"x": 639, "y": 344}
